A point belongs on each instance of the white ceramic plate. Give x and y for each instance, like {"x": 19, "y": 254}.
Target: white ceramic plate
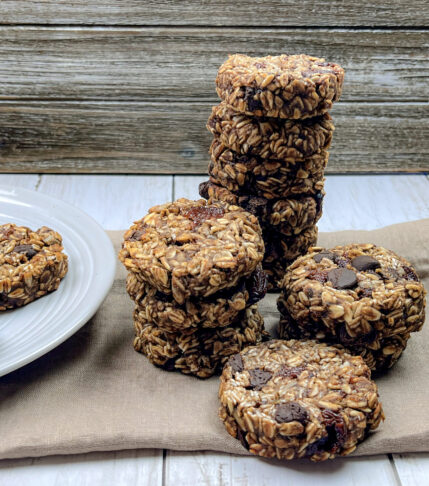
{"x": 31, "y": 331}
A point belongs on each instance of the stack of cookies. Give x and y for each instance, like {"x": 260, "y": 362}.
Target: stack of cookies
{"x": 195, "y": 276}
{"x": 362, "y": 296}
{"x": 271, "y": 136}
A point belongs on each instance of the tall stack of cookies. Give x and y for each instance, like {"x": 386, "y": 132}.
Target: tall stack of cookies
{"x": 195, "y": 276}
{"x": 272, "y": 132}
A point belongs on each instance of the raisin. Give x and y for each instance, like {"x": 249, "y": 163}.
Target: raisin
{"x": 257, "y": 286}
{"x": 199, "y": 214}
{"x": 410, "y": 274}
{"x": 290, "y": 372}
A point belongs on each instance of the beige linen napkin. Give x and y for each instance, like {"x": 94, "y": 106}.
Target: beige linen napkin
{"x": 94, "y": 392}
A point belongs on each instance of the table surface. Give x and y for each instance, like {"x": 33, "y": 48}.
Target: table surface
{"x": 352, "y": 202}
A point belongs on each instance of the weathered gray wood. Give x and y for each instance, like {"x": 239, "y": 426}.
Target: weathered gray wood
{"x": 136, "y": 137}
{"x": 152, "y": 64}
{"x": 216, "y": 12}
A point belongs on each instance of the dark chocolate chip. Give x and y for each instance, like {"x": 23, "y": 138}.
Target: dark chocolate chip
{"x": 323, "y": 254}
{"x": 259, "y": 378}
{"x": 236, "y": 363}
{"x": 290, "y": 412}
{"x": 342, "y": 278}
{"x": 365, "y": 262}
{"x": 26, "y": 250}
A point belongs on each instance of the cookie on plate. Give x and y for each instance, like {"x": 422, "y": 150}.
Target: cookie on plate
{"x": 193, "y": 248}
{"x": 295, "y": 86}
{"x": 199, "y": 352}
{"x": 295, "y": 399}
{"x": 362, "y": 296}
{"x": 217, "y": 310}
{"x": 32, "y": 263}
{"x": 270, "y": 138}
{"x": 269, "y": 178}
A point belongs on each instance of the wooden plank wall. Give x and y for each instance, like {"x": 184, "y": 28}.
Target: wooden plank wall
{"x": 107, "y": 86}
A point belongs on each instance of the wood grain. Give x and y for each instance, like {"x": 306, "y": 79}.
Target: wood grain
{"x": 154, "y": 64}
{"x": 197, "y": 468}
{"x": 112, "y": 137}
{"x": 217, "y": 12}
{"x": 123, "y": 468}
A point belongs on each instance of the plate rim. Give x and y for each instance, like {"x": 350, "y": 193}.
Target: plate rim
{"x": 96, "y": 301}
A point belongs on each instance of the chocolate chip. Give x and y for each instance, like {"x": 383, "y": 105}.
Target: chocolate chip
{"x": 290, "y": 372}
{"x": 259, "y": 378}
{"x": 323, "y": 254}
{"x": 290, "y": 412}
{"x": 342, "y": 278}
{"x": 26, "y": 250}
{"x": 257, "y": 286}
{"x": 365, "y": 262}
{"x": 236, "y": 363}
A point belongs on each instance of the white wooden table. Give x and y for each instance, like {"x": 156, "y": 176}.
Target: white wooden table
{"x": 361, "y": 202}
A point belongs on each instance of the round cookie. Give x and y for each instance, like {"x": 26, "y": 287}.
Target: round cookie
{"x": 31, "y": 264}
{"x": 295, "y": 87}
{"x": 295, "y": 399}
{"x": 268, "y": 178}
{"x": 270, "y": 138}
{"x": 287, "y": 216}
{"x": 363, "y": 296}
{"x": 199, "y": 352}
{"x": 217, "y": 310}
{"x": 192, "y": 248}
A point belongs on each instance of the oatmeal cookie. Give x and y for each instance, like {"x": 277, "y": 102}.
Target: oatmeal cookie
{"x": 281, "y": 251}
{"x": 192, "y": 248}
{"x": 217, "y": 310}
{"x": 279, "y": 247}
{"x": 363, "y": 296}
{"x": 270, "y": 138}
{"x": 287, "y": 216}
{"x": 269, "y": 178}
{"x": 295, "y": 399}
{"x": 32, "y": 263}
{"x": 295, "y": 87}
{"x": 200, "y": 352}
